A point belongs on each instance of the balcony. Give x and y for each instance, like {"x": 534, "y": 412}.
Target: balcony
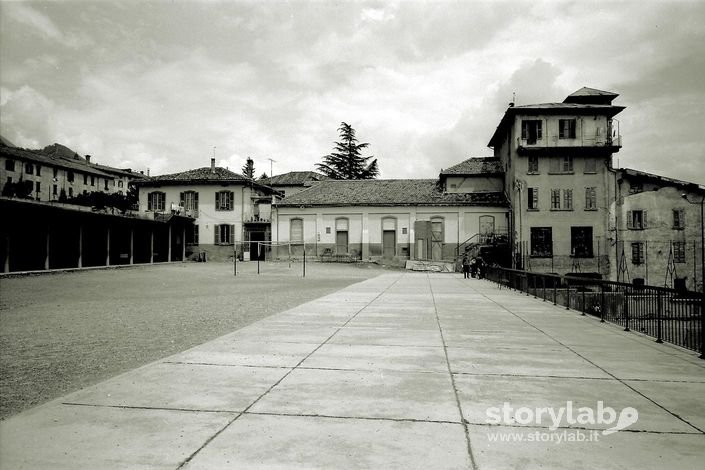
{"x": 257, "y": 219}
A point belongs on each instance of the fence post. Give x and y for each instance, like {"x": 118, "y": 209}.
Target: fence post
{"x": 602, "y": 303}
{"x": 527, "y": 283}
{"x": 626, "y": 308}
{"x": 234, "y": 260}
{"x": 554, "y": 290}
{"x": 583, "y": 314}
{"x": 544, "y": 287}
{"x": 567, "y": 294}
{"x": 304, "y": 260}
{"x": 659, "y": 312}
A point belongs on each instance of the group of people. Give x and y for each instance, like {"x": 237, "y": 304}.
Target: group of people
{"x": 474, "y": 267}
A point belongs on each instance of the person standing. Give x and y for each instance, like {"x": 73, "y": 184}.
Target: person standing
{"x": 466, "y": 267}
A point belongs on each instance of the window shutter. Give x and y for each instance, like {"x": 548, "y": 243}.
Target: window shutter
{"x": 181, "y": 199}
{"x": 539, "y": 126}
{"x": 150, "y": 203}
{"x": 524, "y": 127}
{"x": 232, "y": 234}
{"x": 231, "y": 200}
{"x": 216, "y": 231}
{"x": 195, "y": 201}
{"x": 217, "y": 201}
{"x": 630, "y": 220}
{"x": 644, "y": 220}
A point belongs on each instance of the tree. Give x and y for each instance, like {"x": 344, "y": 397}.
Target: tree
{"x": 249, "y": 168}
{"x": 346, "y": 161}
{"x": 264, "y": 176}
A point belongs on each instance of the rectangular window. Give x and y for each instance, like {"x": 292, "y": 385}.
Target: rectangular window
{"x": 590, "y": 165}
{"x": 531, "y": 130}
{"x": 568, "y": 199}
{"x": 541, "y": 242}
{"x": 120, "y": 184}
{"x": 636, "y": 220}
{"x": 679, "y": 252}
{"x": 85, "y": 179}
{"x": 224, "y": 234}
{"x": 92, "y": 180}
{"x": 562, "y": 164}
{"x": 327, "y": 230}
{"x": 533, "y": 199}
{"x": 56, "y": 172}
{"x": 581, "y": 242}
{"x": 568, "y": 164}
{"x": 296, "y": 231}
{"x": 55, "y": 190}
{"x": 224, "y": 200}
{"x": 156, "y": 201}
{"x": 37, "y": 187}
{"x": 29, "y": 168}
{"x": 10, "y": 165}
{"x": 678, "y": 219}
{"x": 39, "y": 170}
{"x": 555, "y": 199}
{"x": 591, "y": 198}
{"x": 106, "y": 184}
{"x": 189, "y": 200}
{"x": 69, "y": 176}
{"x": 70, "y": 192}
{"x": 566, "y": 128}
{"x": 533, "y": 164}
{"x": 638, "y": 253}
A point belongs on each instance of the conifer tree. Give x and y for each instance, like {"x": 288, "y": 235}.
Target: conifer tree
{"x": 346, "y": 161}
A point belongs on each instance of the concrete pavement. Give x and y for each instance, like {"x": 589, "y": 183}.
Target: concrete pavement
{"x": 398, "y": 371}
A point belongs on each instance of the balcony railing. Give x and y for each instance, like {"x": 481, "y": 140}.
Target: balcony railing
{"x": 674, "y": 316}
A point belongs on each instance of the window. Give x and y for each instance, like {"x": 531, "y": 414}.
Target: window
{"x": 678, "y": 219}
{"x": 635, "y": 188}
{"x": 192, "y": 235}
{"x": 404, "y": 231}
{"x": 591, "y": 198}
{"x": 56, "y": 172}
{"x": 566, "y": 128}
{"x": 55, "y": 190}
{"x": 327, "y": 230}
{"x": 581, "y": 242}
{"x": 224, "y": 200}
{"x": 555, "y": 199}
{"x": 590, "y": 165}
{"x": 636, "y": 220}
{"x": 531, "y": 131}
{"x": 69, "y": 176}
{"x": 533, "y": 199}
{"x": 568, "y": 199}
{"x": 567, "y": 203}
{"x": 106, "y": 184}
{"x": 120, "y": 184}
{"x": 638, "y": 253}
{"x": 29, "y": 168}
{"x": 533, "y": 164}
{"x": 39, "y": 170}
{"x": 10, "y": 165}
{"x": 92, "y": 180}
{"x": 224, "y": 234}
{"x": 562, "y": 164}
{"x": 541, "y": 242}
{"x": 679, "y": 252}
{"x": 156, "y": 201}
{"x": 296, "y": 231}
{"x": 70, "y": 192}
{"x": 85, "y": 179}
{"x": 189, "y": 200}
{"x": 37, "y": 187}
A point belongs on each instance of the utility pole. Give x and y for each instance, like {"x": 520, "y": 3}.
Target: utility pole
{"x": 271, "y": 161}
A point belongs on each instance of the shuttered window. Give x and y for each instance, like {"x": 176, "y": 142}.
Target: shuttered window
{"x": 224, "y": 200}
{"x": 224, "y": 234}
{"x": 156, "y": 201}
{"x": 189, "y": 200}
{"x": 533, "y": 199}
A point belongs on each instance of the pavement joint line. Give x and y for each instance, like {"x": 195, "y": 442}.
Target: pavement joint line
{"x": 156, "y": 408}
{"x": 581, "y": 428}
{"x": 601, "y": 368}
{"x": 531, "y": 376}
{"x": 210, "y": 439}
{"x": 253, "y": 366}
{"x": 353, "y": 418}
{"x": 473, "y": 464}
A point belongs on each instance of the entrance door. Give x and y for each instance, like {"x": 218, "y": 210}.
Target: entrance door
{"x": 389, "y": 242}
{"x": 486, "y": 228}
{"x": 341, "y": 242}
{"x": 255, "y": 253}
{"x": 436, "y": 239}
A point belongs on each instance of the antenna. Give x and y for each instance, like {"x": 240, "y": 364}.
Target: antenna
{"x": 271, "y": 161}
{"x": 214, "y": 151}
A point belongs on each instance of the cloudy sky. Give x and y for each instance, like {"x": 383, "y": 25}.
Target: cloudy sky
{"x": 158, "y": 85}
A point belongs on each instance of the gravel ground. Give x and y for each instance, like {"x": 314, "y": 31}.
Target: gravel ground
{"x": 64, "y": 331}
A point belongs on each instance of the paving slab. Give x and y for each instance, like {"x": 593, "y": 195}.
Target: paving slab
{"x": 374, "y": 357}
{"x": 298, "y": 442}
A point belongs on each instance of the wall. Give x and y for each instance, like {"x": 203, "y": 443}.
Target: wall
{"x": 464, "y": 184}
{"x": 589, "y": 131}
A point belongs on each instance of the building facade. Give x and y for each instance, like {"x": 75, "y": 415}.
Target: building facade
{"x": 288, "y": 184}
{"x": 557, "y": 161}
{"x": 231, "y": 212}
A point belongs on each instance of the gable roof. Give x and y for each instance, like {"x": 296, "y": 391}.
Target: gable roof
{"x": 638, "y": 174}
{"x": 204, "y": 175}
{"x": 293, "y": 178}
{"x": 33, "y": 156}
{"x": 591, "y": 95}
{"x": 476, "y": 166}
{"x": 388, "y": 193}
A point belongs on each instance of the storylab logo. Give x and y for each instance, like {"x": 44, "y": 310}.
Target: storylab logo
{"x": 552, "y": 418}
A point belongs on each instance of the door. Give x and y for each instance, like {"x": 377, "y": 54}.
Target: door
{"x": 341, "y": 242}
{"x": 436, "y": 239}
{"x": 257, "y": 250}
{"x": 389, "y": 243}
{"x": 486, "y": 228}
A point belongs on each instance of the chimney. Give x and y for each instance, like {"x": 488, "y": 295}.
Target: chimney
{"x": 212, "y": 165}
{"x": 88, "y": 159}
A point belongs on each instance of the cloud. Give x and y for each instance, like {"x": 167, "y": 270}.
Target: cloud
{"x": 43, "y": 26}
{"x": 25, "y": 109}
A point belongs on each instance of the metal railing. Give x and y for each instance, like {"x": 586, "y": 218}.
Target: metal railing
{"x": 673, "y": 316}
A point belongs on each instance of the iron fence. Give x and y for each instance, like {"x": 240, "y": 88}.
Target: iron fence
{"x": 674, "y": 316}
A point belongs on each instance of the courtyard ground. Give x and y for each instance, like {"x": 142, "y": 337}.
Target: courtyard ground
{"x": 60, "y": 332}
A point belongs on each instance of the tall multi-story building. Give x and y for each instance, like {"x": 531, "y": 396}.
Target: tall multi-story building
{"x": 557, "y": 160}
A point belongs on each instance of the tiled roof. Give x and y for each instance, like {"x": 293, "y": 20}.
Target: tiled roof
{"x": 586, "y": 91}
{"x": 293, "y": 178}
{"x": 629, "y": 172}
{"x": 388, "y": 193}
{"x": 75, "y": 165}
{"x": 476, "y": 166}
{"x": 203, "y": 175}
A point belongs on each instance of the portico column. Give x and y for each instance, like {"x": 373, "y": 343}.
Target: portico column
{"x": 46, "y": 258}
{"x": 6, "y": 269}
{"x": 151, "y": 245}
{"x": 80, "y": 246}
{"x": 132, "y": 245}
{"x": 168, "y": 251}
{"x": 183, "y": 244}
{"x": 107, "y": 246}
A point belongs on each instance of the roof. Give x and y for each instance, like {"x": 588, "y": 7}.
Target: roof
{"x": 388, "y": 193}
{"x": 293, "y": 178}
{"x": 584, "y": 101}
{"x": 663, "y": 179}
{"x": 29, "y": 155}
{"x": 476, "y": 166}
{"x": 204, "y": 175}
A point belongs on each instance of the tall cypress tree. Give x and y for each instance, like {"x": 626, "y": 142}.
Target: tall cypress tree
{"x": 346, "y": 161}
{"x": 249, "y": 168}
